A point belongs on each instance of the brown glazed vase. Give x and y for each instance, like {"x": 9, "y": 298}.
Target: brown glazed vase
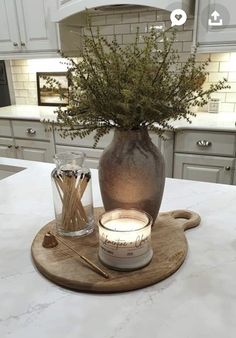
{"x": 132, "y": 173}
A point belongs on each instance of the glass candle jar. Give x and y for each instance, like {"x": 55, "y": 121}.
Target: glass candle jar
{"x": 72, "y": 192}
{"x": 125, "y": 239}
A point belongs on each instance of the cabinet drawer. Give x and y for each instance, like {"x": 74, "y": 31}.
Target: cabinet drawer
{"x": 203, "y": 142}
{"x": 87, "y": 141}
{"x": 30, "y": 130}
{"x": 5, "y": 128}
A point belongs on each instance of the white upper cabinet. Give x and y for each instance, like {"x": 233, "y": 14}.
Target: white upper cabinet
{"x": 67, "y": 8}
{"x": 26, "y": 27}
{"x": 216, "y": 25}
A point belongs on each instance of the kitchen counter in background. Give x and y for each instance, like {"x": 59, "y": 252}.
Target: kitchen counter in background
{"x": 27, "y": 112}
{"x": 197, "y": 301}
{"x": 203, "y": 121}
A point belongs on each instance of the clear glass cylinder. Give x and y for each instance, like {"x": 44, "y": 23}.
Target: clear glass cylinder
{"x": 72, "y": 194}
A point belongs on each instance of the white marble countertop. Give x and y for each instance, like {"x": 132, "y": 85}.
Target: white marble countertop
{"x": 30, "y": 112}
{"x": 199, "y": 300}
{"x": 203, "y": 121}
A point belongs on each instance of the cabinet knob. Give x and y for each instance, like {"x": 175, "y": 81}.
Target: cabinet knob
{"x": 17, "y": 147}
{"x": 10, "y": 146}
{"x": 228, "y": 168}
{"x": 22, "y": 44}
{"x": 30, "y": 131}
{"x": 15, "y": 44}
{"x": 203, "y": 143}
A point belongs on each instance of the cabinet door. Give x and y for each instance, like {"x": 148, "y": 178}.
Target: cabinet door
{"x": 234, "y": 182}
{"x": 91, "y": 155}
{"x": 7, "y": 147}
{"x": 9, "y": 33}
{"x": 166, "y": 146}
{"x": 214, "y": 38}
{"x": 37, "y": 31}
{"x": 204, "y": 168}
{"x": 34, "y": 150}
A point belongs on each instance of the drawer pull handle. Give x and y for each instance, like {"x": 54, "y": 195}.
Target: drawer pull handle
{"x": 203, "y": 143}
{"x": 31, "y": 131}
{"x": 227, "y": 168}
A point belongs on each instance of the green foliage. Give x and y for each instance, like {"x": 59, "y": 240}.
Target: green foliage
{"x": 132, "y": 87}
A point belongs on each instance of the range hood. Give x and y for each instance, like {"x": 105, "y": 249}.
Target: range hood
{"x": 117, "y": 8}
{"x": 68, "y": 8}
{"x": 72, "y": 18}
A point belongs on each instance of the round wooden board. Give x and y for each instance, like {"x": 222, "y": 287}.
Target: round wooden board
{"x": 62, "y": 266}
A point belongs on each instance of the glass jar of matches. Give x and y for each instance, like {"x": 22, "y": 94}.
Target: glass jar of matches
{"x": 72, "y": 192}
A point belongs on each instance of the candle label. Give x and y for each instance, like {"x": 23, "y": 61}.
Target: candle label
{"x": 120, "y": 247}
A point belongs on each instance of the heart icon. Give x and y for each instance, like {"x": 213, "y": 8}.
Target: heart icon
{"x": 178, "y": 16}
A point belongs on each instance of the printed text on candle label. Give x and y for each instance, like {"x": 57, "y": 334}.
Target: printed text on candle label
{"x": 121, "y": 243}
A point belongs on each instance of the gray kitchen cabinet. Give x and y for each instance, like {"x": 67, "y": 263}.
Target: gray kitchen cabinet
{"x": 7, "y": 148}
{"x": 204, "y": 156}
{"x": 33, "y": 150}
{"x": 26, "y": 27}
{"x": 210, "y": 36}
{"x": 25, "y": 140}
{"x": 204, "y": 168}
{"x": 234, "y": 182}
{"x": 6, "y": 140}
{"x": 32, "y": 142}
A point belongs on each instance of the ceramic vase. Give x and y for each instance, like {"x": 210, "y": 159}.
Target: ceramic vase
{"x": 132, "y": 173}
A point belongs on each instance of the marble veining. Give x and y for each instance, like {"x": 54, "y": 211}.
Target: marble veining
{"x": 199, "y": 300}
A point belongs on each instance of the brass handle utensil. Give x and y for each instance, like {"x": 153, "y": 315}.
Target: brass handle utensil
{"x": 94, "y": 266}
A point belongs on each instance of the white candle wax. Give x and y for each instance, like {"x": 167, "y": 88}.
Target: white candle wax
{"x": 125, "y": 224}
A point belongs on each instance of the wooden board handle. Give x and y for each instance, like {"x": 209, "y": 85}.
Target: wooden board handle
{"x": 192, "y": 218}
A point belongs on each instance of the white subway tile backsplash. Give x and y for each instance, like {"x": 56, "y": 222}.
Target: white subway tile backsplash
{"x": 21, "y": 92}
{"x": 213, "y": 67}
{"x": 184, "y": 36}
{"x": 114, "y": 19}
{"x": 147, "y": 16}
{"x": 227, "y": 107}
{"x": 128, "y": 38}
{"x": 98, "y": 20}
{"x": 142, "y": 27}
{"x": 21, "y": 100}
{"x": 220, "y": 96}
{"x": 227, "y": 67}
{"x": 220, "y": 57}
{"x": 124, "y": 25}
{"x": 158, "y": 26}
{"x": 202, "y": 57}
{"x": 17, "y": 70}
{"x": 111, "y": 38}
{"x": 231, "y": 97}
{"x": 232, "y": 77}
{"x": 189, "y": 25}
{"x": 19, "y": 85}
{"x": 30, "y": 85}
{"x": 215, "y": 77}
{"x": 187, "y": 46}
{"x": 106, "y": 30}
{"x": 130, "y": 17}
{"x": 122, "y": 29}
{"x": 22, "y": 77}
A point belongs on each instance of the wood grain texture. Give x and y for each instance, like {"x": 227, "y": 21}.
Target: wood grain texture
{"x": 63, "y": 267}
